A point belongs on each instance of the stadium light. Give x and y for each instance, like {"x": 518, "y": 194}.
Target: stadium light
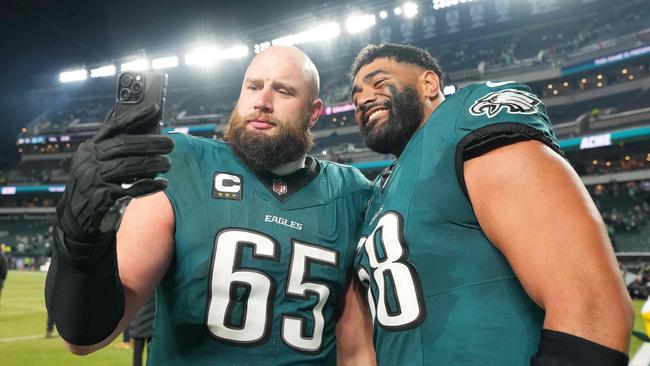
{"x": 397, "y": 11}
{"x": 164, "y": 62}
{"x": 318, "y": 33}
{"x": 383, "y": 14}
{"x": 440, "y": 4}
{"x": 262, "y": 46}
{"x": 103, "y": 71}
{"x": 238, "y": 51}
{"x": 209, "y": 55}
{"x": 358, "y": 23}
{"x": 73, "y": 75}
{"x": 140, "y": 64}
{"x": 204, "y": 56}
{"x": 410, "y": 9}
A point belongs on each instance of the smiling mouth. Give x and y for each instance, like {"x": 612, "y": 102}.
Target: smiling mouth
{"x": 376, "y": 115}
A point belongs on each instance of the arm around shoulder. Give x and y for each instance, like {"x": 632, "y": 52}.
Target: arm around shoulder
{"x": 354, "y": 330}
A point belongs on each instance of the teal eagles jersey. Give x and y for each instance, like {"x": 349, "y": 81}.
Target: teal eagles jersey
{"x": 258, "y": 267}
{"x": 440, "y": 293}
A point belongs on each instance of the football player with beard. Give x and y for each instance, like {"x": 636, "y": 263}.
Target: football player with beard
{"x": 480, "y": 246}
{"x": 248, "y": 242}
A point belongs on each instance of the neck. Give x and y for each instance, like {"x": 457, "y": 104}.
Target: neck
{"x": 290, "y": 167}
{"x": 429, "y": 108}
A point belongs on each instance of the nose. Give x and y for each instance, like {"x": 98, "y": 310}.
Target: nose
{"x": 264, "y": 101}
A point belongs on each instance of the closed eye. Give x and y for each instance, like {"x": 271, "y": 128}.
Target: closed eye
{"x": 378, "y": 83}
{"x": 284, "y": 88}
{"x": 253, "y": 83}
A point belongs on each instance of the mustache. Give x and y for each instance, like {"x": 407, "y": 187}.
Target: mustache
{"x": 259, "y": 116}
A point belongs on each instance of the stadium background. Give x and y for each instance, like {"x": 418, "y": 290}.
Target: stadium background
{"x": 589, "y": 60}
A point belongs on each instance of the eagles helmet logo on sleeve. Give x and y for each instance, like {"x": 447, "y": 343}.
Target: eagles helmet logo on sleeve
{"x": 515, "y": 101}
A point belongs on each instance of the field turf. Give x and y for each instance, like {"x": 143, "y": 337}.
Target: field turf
{"x": 22, "y": 329}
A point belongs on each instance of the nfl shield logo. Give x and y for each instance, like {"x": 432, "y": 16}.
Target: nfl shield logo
{"x": 279, "y": 186}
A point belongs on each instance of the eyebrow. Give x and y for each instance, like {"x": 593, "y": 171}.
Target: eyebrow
{"x": 253, "y": 80}
{"x": 275, "y": 84}
{"x": 356, "y": 88}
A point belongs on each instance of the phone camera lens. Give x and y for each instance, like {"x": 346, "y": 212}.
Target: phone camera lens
{"x": 126, "y": 80}
{"x": 125, "y": 94}
{"x": 136, "y": 87}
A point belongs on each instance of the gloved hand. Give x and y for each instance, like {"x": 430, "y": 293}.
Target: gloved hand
{"x": 101, "y": 167}
{"x": 83, "y": 291}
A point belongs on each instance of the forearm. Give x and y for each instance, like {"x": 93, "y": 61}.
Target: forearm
{"x": 563, "y": 349}
{"x": 131, "y": 302}
{"x": 86, "y": 350}
{"x": 84, "y": 296}
{"x": 84, "y": 291}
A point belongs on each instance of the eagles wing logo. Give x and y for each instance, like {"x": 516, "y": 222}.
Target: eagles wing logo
{"x": 515, "y": 101}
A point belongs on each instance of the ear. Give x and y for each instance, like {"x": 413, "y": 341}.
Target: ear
{"x": 316, "y": 107}
{"x": 431, "y": 85}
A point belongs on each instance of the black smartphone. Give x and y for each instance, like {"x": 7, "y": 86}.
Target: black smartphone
{"x": 140, "y": 89}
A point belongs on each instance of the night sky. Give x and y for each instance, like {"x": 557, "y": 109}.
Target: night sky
{"x": 44, "y": 37}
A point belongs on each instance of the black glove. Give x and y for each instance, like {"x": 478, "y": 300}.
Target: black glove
{"x": 563, "y": 349}
{"x": 100, "y": 167}
{"x": 83, "y": 291}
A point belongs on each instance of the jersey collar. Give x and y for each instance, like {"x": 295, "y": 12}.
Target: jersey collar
{"x": 283, "y": 186}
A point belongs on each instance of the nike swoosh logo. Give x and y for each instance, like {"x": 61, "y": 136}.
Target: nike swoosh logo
{"x": 493, "y": 84}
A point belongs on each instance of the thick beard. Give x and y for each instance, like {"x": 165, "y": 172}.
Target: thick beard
{"x": 406, "y": 113}
{"x": 263, "y": 152}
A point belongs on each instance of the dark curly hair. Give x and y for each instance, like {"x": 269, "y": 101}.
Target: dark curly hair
{"x": 398, "y": 52}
